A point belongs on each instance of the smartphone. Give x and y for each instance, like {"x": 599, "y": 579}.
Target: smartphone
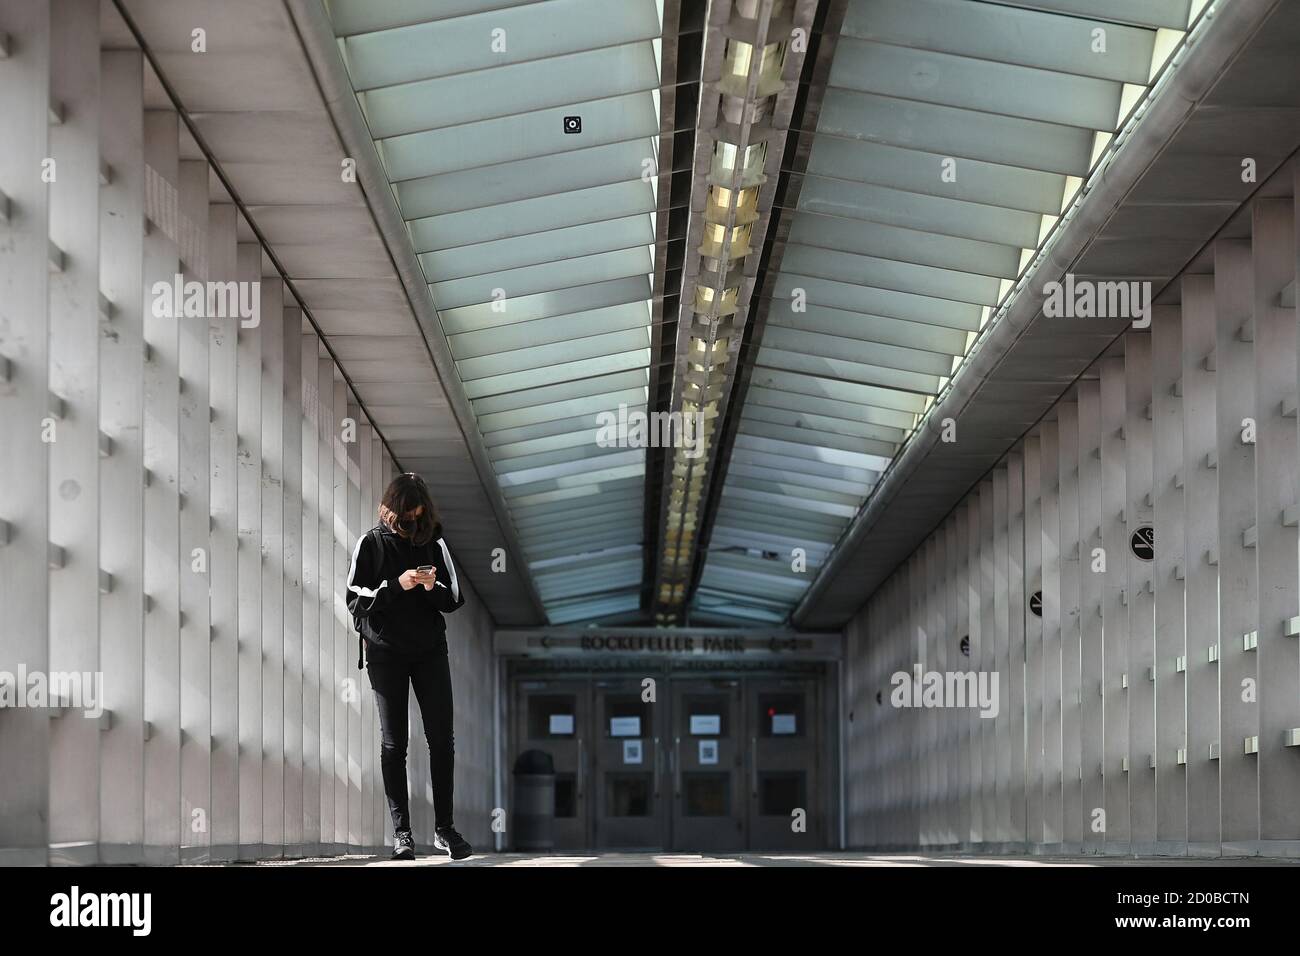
{"x": 425, "y": 569}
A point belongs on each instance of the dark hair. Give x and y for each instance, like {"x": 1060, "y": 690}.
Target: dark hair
{"x": 404, "y": 495}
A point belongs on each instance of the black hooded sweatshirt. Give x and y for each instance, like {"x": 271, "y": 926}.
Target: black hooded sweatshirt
{"x": 395, "y": 622}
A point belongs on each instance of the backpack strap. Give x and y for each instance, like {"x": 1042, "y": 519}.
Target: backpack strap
{"x": 373, "y": 533}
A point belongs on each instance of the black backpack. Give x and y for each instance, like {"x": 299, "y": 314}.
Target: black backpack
{"x": 356, "y": 622}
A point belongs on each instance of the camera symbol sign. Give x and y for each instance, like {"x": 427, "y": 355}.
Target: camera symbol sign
{"x": 1143, "y": 543}
{"x": 573, "y": 124}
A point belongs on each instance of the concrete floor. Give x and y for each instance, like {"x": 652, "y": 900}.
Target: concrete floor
{"x": 830, "y": 858}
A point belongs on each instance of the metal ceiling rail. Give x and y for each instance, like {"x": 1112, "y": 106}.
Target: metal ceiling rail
{"x": 815, "y": 533}
{"x": 753, "y": 54}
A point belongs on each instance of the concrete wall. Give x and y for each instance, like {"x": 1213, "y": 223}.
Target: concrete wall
{"x": 1154, "y": 707}
{"x": 179, "y": 498}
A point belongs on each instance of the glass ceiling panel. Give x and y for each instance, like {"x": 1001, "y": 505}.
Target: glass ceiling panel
{"x": 539, "y": 215}
{"x": 555, "y": 245}
{"x": 553, "y": 330}
{"x": 523, "y": 136}
{"x": 511, "y": 90}
{"x": 495, "y": 38}
{"x": 562, "y": 301}
{"x": 994, "y": 32}
{"x": 527, "y": 179}
{"x": 366, "y": 16}
{"x": 527, "y": 280}
{"x": 537, "y": 243}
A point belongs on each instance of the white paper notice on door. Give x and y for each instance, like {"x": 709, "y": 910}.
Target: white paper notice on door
{"x": 561, "y": 724}
{"x": 783, "y": 724}
{"x": 708, "y": 751}
{"x": 631, "y": 751}
{"x": 625, "y": 726}
{"x": 702, "y": 724}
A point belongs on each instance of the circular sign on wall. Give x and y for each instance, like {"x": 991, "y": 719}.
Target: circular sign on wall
{"x": 1143, "y": 543}
{"x": 1036, "y": 604}
{"x": 965, "y": 645}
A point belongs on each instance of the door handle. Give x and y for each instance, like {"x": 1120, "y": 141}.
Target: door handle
{"x": 656, "y": 768}
{"x": 581, "y": 768}
{"x": 753, "y": 766}
{"x": 677, "y": 767}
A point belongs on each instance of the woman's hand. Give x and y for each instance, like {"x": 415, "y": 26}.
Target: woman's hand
{"x": 428, "y": 579}
{"x": 413, "y": 578}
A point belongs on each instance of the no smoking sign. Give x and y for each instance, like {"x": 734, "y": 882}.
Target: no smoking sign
{"x": 1143, "y": 543}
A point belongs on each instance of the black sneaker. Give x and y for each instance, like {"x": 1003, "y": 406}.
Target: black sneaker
{"x": 403, "y": 846}
{"x": 451, "y": 843}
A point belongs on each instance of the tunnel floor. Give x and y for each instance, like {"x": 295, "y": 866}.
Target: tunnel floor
{"x": 751, "y": 859}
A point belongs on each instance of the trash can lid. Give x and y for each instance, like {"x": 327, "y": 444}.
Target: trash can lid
{"x": 535, "y": 761}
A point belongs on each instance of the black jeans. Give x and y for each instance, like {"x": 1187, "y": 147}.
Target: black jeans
{"x": 431, "y": 676}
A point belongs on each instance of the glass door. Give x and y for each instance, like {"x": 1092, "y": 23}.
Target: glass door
{"x": 783, "y": 786}
{"x": 628, "y": 767}
{"x": 705, "y": 760}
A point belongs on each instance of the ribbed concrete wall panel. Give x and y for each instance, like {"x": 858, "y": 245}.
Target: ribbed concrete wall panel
{"x": 1128, "y": 574}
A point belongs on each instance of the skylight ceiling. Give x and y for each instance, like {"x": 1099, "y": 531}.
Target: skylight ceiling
{"x": 952, "y": 134}
{"x": 537, "y": 242}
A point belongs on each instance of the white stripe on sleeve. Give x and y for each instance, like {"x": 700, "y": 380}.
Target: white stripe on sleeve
{"x": 446, "y": 556}
{"x": 363, "y": 592}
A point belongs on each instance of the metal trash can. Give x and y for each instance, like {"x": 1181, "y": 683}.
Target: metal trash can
{"x": 533, "y": 825}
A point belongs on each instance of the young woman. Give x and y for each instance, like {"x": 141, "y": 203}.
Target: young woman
{"x": 401, "y": 582}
